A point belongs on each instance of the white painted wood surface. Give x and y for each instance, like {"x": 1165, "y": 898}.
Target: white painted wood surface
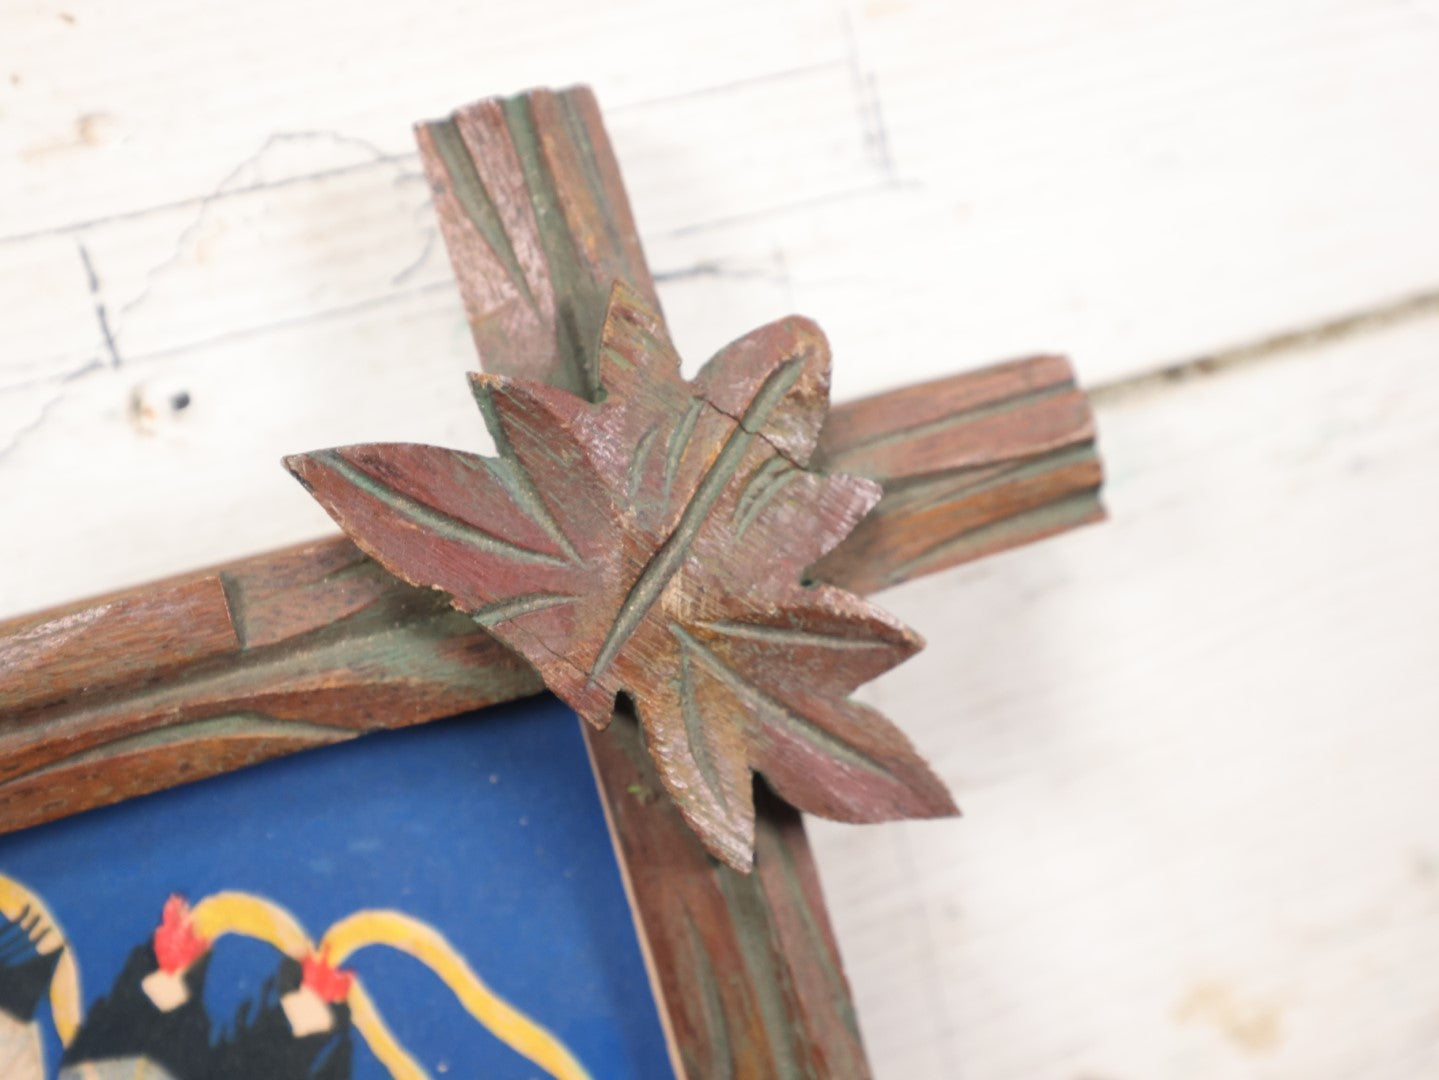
{"x": 1198, "y": 746}
{"x": 1197, "y": 750}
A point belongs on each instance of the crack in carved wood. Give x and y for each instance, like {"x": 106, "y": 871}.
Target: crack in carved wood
{"x": 676, "y": 891}
{"x": 686, "y": 596}
{"x": 280, "y": 599}
{"x": 284, "y": 599}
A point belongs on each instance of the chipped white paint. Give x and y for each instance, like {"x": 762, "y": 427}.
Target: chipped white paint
{"x": 1195, "y": 744}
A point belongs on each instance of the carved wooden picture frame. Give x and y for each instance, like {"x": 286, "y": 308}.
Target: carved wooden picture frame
{"x": 117, "y": 697}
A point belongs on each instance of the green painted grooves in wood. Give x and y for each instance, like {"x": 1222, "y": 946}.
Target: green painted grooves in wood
{"x": 430, "y": 519}
{"x": 579, "y": 138}
{"x": 406, "y": 639}
{"x": 672, "y": 553}
{"x": 1010, "y": 504}
{"x": 475, "y": 201}
{"x": 679, "y": 442}
{"x": 1057, "y": 516}
{"x": 762, "y": 494}
{"x": 695, "y": 729}
{"x": 576, "y": 294}
{"x": 957, "y": 485}
{"x": 702, "y": 974}
{"x": 639, "y": 461}
{"x": 505, "y": 610}
{"x": 513, "y": 476}
{"x": 230, "y": 727}
{"x": 767, "y": 973}
{"x": 549, "y": 132}
{"x": 791, "y": 636}
{"x": 841, "y": 460}
{"x": 821, "y": 944}
{"x": 736, "y": 908}
{"x": 830, "y": 744}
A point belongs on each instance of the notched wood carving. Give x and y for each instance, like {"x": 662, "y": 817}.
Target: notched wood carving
{"x": 136, "y": 692}
{"x": 652, "y": 545}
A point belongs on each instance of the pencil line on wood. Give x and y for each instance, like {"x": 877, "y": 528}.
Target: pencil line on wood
{"x": 763, "y": 79}
{"x": 224, "y": 191}
{"x": 193, "y": 201}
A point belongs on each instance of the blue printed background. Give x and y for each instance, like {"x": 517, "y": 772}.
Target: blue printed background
{"x": 487, "y": 827}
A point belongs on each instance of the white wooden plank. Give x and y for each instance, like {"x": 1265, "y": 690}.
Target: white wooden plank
{"x": 117, "y": 486}
{"x": 1197, "y": 751}
{"x": 113, "y": 108}
{"x": 236, "y": 279}
{"x": 49, "y": 329}
{"x": 952, "y": 184}
{"x": 266, "y": 258}
{"x": 757, "y": 149}
{"x": 1147, "y": 182}
{"x": 1133, "y": 185}
{"x": 253, "y": 256}
{"x": 1192, "y": 744}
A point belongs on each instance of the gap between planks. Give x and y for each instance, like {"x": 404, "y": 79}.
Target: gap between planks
{"x": 1285, "y": 344}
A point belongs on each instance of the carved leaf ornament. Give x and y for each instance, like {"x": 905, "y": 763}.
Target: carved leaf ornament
{"x": 651, "y": 546}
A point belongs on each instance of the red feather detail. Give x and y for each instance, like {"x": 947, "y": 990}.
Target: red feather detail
{"x": 331, "y": 983}
{"x": 177, "y": 943}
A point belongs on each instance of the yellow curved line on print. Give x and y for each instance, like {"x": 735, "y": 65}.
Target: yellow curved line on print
{"x": 253, "y": 917}
{"x": 409, "y": 935}
{"x": 379, "y": 1038}
{"x": 65, "y": 983}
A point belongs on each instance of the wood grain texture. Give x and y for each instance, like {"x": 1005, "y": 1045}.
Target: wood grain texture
{"x": 785, "y": 144}
{"x": 971, "y": 464}
{"x": 652, "y": 545}
{"x": 263, "y": 657}
{"x": 66, "y": 686}
{"x": 698, "y": 926}
{"x": 745, "y": 965}
{"x": 137, "y": 637}
{"x": 393, "y": 654}
{"x": 330, "y": 646}
{"x": 1138, "y": 184}
{"x": 537, "y": 226}
{"x": 790, "y": 1015}
{"x": 269, "y": 249}
{"x": 701, "y": 922}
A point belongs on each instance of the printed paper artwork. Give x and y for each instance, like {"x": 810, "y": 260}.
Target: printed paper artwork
{"x": 438, "y": 900}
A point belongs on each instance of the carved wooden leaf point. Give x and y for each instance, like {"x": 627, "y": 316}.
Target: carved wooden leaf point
{"x": 651, "y": 545}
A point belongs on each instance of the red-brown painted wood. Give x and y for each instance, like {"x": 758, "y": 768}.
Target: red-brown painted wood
{"x": 330, "y": 645}
{"x": 208, "y": 672}
{"x": 653, "y": 546}
{"x": 137, "y": 636}
{"x": 971, "y": 465}
{"x": 74, "y": 691}
{"x": 746, "y": 969}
